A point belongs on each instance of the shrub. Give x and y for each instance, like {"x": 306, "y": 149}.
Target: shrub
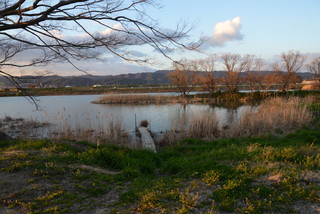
{"x": 144, "y": 123}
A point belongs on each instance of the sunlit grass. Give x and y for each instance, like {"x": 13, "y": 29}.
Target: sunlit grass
{"x": 242, "y": 175}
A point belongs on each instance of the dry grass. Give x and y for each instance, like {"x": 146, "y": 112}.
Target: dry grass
{"x": 108, "y": 130}
{"x": 275, "y": 115}
{"x": 139, "y": 99}
{"x": 204, "y": 126}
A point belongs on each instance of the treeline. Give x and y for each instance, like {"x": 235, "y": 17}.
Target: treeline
{"x": 283, "y": 73}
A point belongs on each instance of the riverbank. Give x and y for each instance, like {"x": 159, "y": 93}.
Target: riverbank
{"x": 236, "y": 175}
{"x": 217, "y": 98}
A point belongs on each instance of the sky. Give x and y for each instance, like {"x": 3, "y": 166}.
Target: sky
{"x": 265, "y": 28}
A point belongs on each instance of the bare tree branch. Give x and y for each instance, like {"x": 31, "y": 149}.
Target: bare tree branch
{"x": 291, "y": 63}
{"x": 73, "y": 30}
{"x": 234, "y": 65}
{"x": 314, "y": 67}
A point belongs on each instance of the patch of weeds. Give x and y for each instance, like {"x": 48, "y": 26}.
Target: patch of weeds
{"x": 211, "y": 177}
{"x": 188, "y": 201}
{"x": 40, "y": 172}
{"x": 119, "y": 158}
{"x": 228, "y": 204}
{"x": 230, "y": 192}
{"x": 52, "y": 202}
{"x": 136, "y": 186}
{"x": 248, "y": 208}
{"x": 312, "y": 162}
{"x": 93, "y": 187}
{"x": 17, "y": 165}
{"x": 167, "y": 198}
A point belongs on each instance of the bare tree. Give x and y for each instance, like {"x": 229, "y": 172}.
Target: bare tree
{"x": 270, "y": 79}
{"x": 314, "y": 67}
{"x": 184, "y": 76}
{"x": 253, "y": 66}
{"x": 291, "y": 63}
{"x": 234, "y": 65}
{"x": 72, "y": 30}
{"x": 207, "y": 79}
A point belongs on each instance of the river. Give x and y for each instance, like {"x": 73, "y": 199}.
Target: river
{"x": 77, "y": 112}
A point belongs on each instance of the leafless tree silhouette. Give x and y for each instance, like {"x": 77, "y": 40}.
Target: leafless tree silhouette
{"x": 290, "y": 64}
{"x": 253, "y": 67}
{"x": 208, "y": 79}
{"x": 49, "y": 31}
{"x": 314, "y": 67}
{"x": 184, "y": 76}
{"x": 234, "y": 65}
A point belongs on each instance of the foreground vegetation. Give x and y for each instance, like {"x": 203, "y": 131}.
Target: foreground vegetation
{"x": 246, "y": 175}
{"x": 274, "y": 172}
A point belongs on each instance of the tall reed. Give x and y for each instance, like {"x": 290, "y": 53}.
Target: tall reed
{"x": 203, "y": 125}
{"x": 274, "y": 115}
{"x": 106, "y": 130}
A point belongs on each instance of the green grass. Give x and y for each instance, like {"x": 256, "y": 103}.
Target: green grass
{"x": 241, "y": 175}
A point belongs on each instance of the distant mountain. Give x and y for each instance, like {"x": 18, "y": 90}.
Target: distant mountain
{"x": 157, "y": 77}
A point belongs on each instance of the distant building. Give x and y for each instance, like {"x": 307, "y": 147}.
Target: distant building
{"x": 307, "y": 82}
{"x": 310, "y": 85}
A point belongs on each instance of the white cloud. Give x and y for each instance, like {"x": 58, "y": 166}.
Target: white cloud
{"x": 224, "y": 32}
{"x": 111, "y": 30}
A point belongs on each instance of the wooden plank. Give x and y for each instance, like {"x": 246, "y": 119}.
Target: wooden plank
{"x": 146, "y": 139}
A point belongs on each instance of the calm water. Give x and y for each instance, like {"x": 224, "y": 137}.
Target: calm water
{"x": 79, "y": 112}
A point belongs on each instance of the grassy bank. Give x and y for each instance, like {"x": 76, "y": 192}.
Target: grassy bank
{"x": 217, "y": 98}
{"x": 237, "y": 175}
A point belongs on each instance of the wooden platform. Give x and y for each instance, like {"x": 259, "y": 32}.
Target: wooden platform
{"x": 146, "y": 139}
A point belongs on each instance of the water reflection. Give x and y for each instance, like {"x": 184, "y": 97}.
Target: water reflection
{"x": 78, "y": 112}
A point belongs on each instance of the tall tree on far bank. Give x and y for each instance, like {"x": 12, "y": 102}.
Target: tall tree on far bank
{"x": 184, "y": 76}
{"x": 234, "y": 65}
{"x": 314, "y": 67}
{"x": 207, "y": 78}
{"x": 290, "y": 64}
{"x": 253, "y": 66}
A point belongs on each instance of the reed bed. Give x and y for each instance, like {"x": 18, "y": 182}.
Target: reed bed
{"x": 106, "y": 130}
{"x": 275, "y": 115}
{"x": 139, "y": 99}
{"x": 203, "y": 126}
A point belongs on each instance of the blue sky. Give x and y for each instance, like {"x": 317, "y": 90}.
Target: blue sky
{"x": 265, "y": 28}
{"x": 269, "y": 27}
